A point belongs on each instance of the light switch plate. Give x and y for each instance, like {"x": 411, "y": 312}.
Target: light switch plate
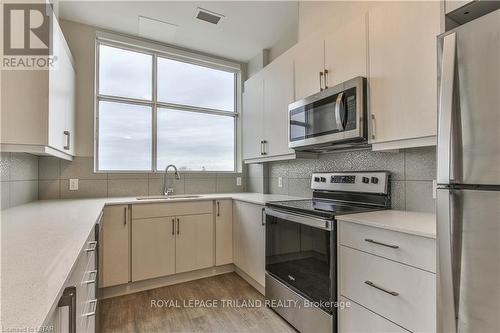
{"x": 280, "y": 181}
{"x": 73, "y": 184}
{"x": 238, "y": 181}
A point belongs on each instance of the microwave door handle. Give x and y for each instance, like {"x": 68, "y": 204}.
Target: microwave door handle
{"x": 338, "y": 105}
{"x": 445, "y": 110}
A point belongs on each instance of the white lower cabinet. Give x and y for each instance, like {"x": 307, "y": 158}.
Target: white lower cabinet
{"x": 115, "y": 246}
{"x": 249, "y": 240}
{"x": 194, "y": 242}
{"x": 166, "y": 245}
{"x": 357, "y": 319}
{"x": 223, "y": 232}
{"x": 153, "y": 247}
{"x": 388, "y": 293}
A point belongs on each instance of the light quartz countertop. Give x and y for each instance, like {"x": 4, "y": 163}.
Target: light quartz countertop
{"x": 40, "y": 244}
{"x": 415, "y": 223}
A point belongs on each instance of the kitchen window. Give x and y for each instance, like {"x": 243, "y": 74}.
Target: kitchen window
{"x": 156, "y": 108}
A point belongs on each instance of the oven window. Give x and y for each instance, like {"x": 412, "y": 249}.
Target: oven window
{"x": 300, "y": 256}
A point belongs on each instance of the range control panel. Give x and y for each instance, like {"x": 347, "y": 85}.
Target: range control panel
{"x": 367, "y": 182}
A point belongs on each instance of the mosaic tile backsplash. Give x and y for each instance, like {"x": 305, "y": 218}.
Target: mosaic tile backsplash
{"x": 19, "y": 179}
{"x": 412, "y": 170}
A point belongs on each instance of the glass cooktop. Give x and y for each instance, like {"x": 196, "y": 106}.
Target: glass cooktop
{"x": 324, "y": 208}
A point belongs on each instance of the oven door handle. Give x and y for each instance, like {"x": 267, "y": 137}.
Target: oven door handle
{"x": 302, "y": 219}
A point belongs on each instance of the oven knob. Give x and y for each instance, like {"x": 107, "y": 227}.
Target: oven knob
{"x": 365, "y": 180}
{"x": 374, "y": 180}
{"x": 323, "y": 179}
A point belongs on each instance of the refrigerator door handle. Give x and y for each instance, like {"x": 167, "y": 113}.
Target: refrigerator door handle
{"x": 448, "y": 276}
{"x": 445, "y": 110}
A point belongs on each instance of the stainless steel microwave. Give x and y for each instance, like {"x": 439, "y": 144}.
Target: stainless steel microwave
{"x": 334, "y": 118}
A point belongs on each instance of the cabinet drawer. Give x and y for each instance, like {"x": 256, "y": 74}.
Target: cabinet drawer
{"x": 171, "y": 209}
{"x": 413, "y": 304}
{"x": 357, "y": 319}
{"x": 411, "y": 250}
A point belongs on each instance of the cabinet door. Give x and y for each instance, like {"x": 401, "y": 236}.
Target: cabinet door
{"x": 278, "y": 94}
{"x": 253, "y": 106}
{"x": 346, "y": 52}
{"x": 115, "y": 263}
{"x": 402, "y": 78}
{"x": 252, "y": 241}
{"x": 194, "y": 242}
{"x": 61, "y": 95}
{"x": 223, "y": 232}
{"x": 153, "y": 247}
{"x": 309, "y": 61}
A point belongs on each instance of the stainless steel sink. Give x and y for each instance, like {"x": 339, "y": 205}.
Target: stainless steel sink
{"x": 168, "y": 197}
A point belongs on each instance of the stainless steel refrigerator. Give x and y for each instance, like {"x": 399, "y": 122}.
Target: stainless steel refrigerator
{"x": 468, "y": 195}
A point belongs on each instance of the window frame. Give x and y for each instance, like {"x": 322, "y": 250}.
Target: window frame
{"x": 157, "y": 50}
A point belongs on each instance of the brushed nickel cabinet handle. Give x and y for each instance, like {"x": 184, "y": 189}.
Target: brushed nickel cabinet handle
{"x": 92, "y": 246}
{"x": 93, "y": 304}
{"x": 326, "y": 78}
{"x": 218, "y": 208}
{"x": 92, "y": 277}
{"x": 321, "y": 81}
{"x": 262, "y": 218}
{"x": 68, "y": 140}
{"x": 373, "y": 126}
{"x": 178, "y": 228}
{"x": 380, "y": 243}
{"x": 173, "y": 226}
{"x": 390, "y": 292}
{"x": 124, "y": 215}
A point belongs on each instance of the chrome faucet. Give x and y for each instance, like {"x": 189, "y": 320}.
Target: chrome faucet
{"x": 170, "y": 190}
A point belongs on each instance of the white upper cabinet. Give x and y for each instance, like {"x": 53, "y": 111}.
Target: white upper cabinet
{"x": 266, "y": 98}
{"x": 309, "y": 66}
{"x": 62, "y": 97}
{"x": 346, "y": 52}
{"x": 278, "y": 94}
{"x": 402, "y": 74}
{"x": 252, "y": 117}
{"x": 38, "y": 106}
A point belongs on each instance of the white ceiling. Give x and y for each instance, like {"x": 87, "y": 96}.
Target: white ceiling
{"x": 247, "y": 28}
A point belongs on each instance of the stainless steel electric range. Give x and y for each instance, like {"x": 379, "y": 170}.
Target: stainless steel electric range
{"x": 301, "y": 245}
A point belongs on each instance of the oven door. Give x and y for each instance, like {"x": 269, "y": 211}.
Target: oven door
{"x": 333, "y": 115}
{"x": 301, "y": 253}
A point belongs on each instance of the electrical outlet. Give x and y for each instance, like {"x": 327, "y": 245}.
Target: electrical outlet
{"x": 73, "y": 184}
{"x": 238, "y": 181}
{"x": 280, "y": 181}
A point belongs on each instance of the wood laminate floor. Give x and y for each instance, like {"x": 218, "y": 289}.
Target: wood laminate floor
{"x": 168, "y": 309}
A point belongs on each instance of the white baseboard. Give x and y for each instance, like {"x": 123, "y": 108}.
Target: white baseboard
{"x": 260, "y": 288}
{"x": 133, "y": 287}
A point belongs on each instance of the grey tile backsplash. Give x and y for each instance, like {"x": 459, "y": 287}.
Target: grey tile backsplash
{"x": 55, "y": 175}
{"x": 19, "y": 179}
{"x": 26, "y": 177}
{"x": 412, "y": 170}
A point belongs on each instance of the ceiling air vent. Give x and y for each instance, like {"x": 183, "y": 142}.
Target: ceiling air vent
{"x": 207, "y": 16}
